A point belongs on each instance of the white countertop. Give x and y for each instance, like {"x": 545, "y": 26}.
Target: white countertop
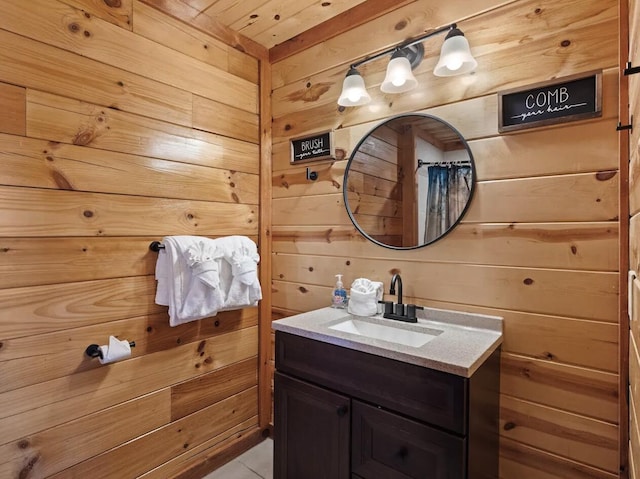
{"x": 460, "y": 344}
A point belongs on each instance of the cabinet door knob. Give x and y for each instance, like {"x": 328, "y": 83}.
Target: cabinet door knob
{"x": 342, "y": 410}
{"x": 403, "y": 452}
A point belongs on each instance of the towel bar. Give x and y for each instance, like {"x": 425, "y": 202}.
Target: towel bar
{"x": 156, "y": 246}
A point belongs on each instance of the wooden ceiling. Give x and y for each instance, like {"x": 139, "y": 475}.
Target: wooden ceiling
{"x": 275, "y": 28}
{"x": 270, "y": 22}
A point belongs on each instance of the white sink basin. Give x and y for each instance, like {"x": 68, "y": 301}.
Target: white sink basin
{"x": 394, "y": 334}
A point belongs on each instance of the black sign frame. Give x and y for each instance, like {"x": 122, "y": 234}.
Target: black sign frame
{"x": 312, "y": 148}
{"x": 541, "y": 104}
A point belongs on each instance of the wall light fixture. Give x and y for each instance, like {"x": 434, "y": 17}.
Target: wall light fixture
{"x": 455, "y": 59}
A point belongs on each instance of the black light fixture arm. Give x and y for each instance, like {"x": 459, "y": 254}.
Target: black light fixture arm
{"x": 406, "y": 44}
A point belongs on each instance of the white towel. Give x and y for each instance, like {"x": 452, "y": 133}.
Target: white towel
{"x": 188, "y": 278}
{"x": 239, "y": 279}
{"x": 197, "y": 277}
{"x": 364, "y": 297}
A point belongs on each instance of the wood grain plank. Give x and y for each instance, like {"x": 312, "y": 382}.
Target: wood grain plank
{"x": 253, "y": 18}
{"x": 396, "y": 26}
{"x": 541, "y": 31}
{"x": 579, "y": 197}
{"x": 69, "y": 29}
{"x": 13, "y": 115}
{"x": 570, "y": 149}
{"x": 51, "y": 451}
{"x": 480, "y": 125}
{"x": 314, "y": 116}
{"x": 582, "y": 343}
{"x": 85, "y": 124}
{"x": 310, "y": 210}
{"x": 42, "y": 164}
{"x": 578, "y": 246}
{"x": 579, "y": 294}
{"x": 161, "y": 28}
{"x": 292, "y": 182}
{"x": 269, "y": 29}
{"x": 210, "y": 425}
{"x": 585, "y": 440}
{"x": 520, "y": 460}
{"x": 191, "y": 396}
{"x": 212, "y": 453}
{"x": 43, "y": 309}
{"x": 228, "y": 11}
{"x": 41, "y": 406}
{"x": 565, "y": 198}
{"x": 358, "y": 15}
{"x": 209, "y": 25}
{"x": 225, "y": 120}
{"x": 33, "y": 64}
{"x": 39, "y": 261}
{"x": 23, "y": 364}
{"x": 362, "y": 205}
{"x": 119, "y": 13}
{"x": 582, "y": 391}
{"x": 265, "y": 400}
{"x": 49, "y": 213}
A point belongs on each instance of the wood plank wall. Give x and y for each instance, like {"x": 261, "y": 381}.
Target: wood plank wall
{"x": 634, "y": 242}
{"x": 539, "y": 244}
{"x": 118, "y": 126}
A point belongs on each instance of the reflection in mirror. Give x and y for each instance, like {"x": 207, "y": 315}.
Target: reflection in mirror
{"x": 409, "y": 181}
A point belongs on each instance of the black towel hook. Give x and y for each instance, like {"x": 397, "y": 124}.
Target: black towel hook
{"x": 156, "y": 246}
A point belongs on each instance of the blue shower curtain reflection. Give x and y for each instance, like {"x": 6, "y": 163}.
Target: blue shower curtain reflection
{"x": 449, "y": 187}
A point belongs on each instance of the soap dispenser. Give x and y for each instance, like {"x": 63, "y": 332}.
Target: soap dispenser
{"x": 339, "y": 298}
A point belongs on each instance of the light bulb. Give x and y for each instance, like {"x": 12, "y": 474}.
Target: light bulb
{"x": 454, "y": 62}
{"x": 353, "y": 95}
{"x": 398, "y": 81}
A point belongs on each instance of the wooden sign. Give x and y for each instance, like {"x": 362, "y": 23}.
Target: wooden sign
{"x": 565, "y": 99}
{"x": 316, "y": 147}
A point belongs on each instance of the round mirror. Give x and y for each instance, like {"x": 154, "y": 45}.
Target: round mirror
{"x": 409, "y": 181}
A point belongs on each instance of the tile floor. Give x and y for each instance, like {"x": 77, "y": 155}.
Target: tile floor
{"x": 256, "y": 463}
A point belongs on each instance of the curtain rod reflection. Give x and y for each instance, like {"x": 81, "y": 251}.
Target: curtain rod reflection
{"x": 422, "y": 163}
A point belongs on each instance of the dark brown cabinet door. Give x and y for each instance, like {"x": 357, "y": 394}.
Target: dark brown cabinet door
{"x": 388, "y": 446}
{"x": 312, "y": 431}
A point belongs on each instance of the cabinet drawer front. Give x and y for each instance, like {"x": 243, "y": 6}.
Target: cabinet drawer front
{"x": 425, "y": 394}
{"x": 311, "y": 428}
{"x": 390, "y": 446}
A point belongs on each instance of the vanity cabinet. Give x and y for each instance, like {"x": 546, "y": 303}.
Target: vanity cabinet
{"x": 341, "y": 413}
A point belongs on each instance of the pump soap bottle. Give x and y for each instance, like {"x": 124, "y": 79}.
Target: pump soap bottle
{"x": 339, "y": 298}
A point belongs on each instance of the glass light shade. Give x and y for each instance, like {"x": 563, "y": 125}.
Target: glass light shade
{"x": 354, "y": 92}
{"x": 399, "y": 76}
{"x": 455, "y": 56}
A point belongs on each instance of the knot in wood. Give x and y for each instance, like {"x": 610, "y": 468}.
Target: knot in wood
{"x": 401, "y": 25}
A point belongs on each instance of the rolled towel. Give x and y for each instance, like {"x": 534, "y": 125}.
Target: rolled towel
{"x": 364, "y": 297}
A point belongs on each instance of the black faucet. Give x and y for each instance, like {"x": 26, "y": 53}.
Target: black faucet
{"x": 392, "y": 289}
{"x": 398, "y": 311}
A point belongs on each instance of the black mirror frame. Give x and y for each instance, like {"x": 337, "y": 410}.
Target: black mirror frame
{"x": 364, "y": 138}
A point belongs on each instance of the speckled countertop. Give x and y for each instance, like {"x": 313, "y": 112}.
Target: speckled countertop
{"x": 459, "y": 345}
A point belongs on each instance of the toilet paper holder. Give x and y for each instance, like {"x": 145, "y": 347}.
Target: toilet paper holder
{"x": 94, "y": 351}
